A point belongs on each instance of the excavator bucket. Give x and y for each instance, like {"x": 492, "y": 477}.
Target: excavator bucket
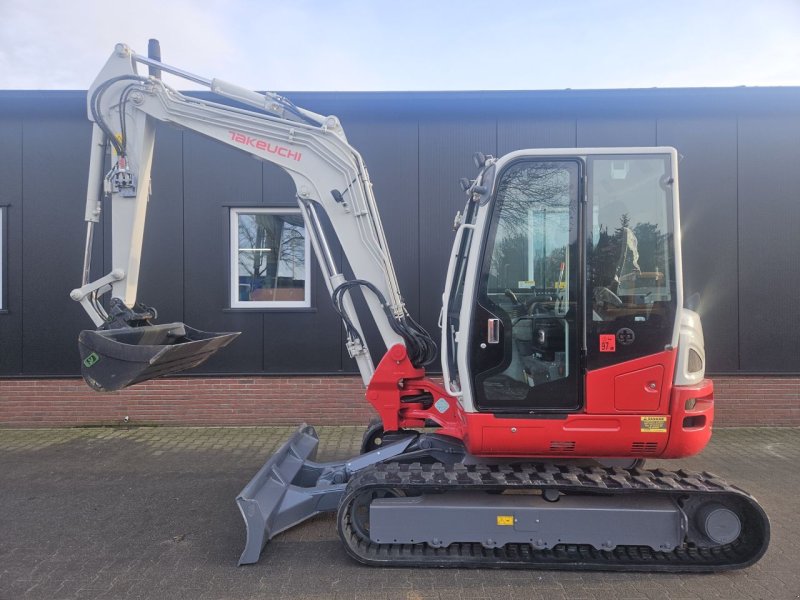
{"x": 114, "y": 359}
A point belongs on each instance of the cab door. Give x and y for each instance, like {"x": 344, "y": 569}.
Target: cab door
{"x": 526, "y": 331}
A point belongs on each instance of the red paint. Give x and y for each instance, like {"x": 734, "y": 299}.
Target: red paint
{"x": 640, "y": 390}
{"x": 689, "y": 440}
{"x": 395, "y": 378}
{"x": 577, "y": 436}
{"x": 600, "y": 392}
{"x": 264, "y": 145}
{"x": 603, "y": 429}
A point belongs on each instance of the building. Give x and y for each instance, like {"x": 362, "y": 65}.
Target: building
{"x": 740, "y": 211}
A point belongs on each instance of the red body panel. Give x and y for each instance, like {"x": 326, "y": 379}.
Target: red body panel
{"x": 632, "y": 409}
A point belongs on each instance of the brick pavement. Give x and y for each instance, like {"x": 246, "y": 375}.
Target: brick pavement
{"x": 149, "y": 513}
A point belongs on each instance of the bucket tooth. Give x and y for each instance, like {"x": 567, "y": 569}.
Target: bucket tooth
{"x": 114, "y": 359}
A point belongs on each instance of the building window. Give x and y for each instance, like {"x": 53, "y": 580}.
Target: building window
{"x": 269, "y": 254}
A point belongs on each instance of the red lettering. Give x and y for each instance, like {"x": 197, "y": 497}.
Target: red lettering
{"x": 264, "y": 146}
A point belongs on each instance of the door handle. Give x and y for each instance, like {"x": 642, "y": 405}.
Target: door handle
{"x": 493, "y": 331}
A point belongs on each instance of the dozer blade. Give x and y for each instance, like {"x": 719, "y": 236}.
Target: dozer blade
{"x": 282, "y": 493}
{"x": 114, "y": 359}
{"x": 291, "y": 487}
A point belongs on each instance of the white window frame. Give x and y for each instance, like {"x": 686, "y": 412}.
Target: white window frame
{"x": 234, "y": 263}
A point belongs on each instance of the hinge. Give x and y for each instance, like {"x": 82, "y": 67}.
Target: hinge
{"x": 585, "y": 198}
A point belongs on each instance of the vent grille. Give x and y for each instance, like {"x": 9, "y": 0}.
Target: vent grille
{"x": 644, "y": 447}
{"x": 558, "y": 446}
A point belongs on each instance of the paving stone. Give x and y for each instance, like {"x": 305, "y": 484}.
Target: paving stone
{"x": 149, "y": 513}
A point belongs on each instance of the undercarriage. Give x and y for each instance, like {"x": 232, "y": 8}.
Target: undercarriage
{"x": 421, "y": 500}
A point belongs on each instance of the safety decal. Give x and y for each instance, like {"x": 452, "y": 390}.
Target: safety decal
{"x": 90, "y": 360}
{"x": 654, "y": 424}
{"x": 626, "y": 336}
{"x": 442, "y": 405}
{"x": 608, "y": 342}
{"x": 505, "y": 520}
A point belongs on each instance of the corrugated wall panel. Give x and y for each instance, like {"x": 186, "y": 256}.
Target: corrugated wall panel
{"x": 416, "y": 149}
{"x": 445, "y": 155}
{"x": 524, "y": 132}
{"x": 11, "y": 246}
{"x": 709, "y": 225}
{"x": 769, "y": 243}
{"x": 609, "y": 132}
{"x": 55, "y": 158}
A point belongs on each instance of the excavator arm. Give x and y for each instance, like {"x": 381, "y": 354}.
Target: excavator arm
{"x": 331, "y": 180}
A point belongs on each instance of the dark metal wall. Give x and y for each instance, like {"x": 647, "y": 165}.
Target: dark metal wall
{"x": 739, "y": 177}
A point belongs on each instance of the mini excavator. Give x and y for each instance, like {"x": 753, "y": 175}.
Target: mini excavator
{"x": 568, "y": 356}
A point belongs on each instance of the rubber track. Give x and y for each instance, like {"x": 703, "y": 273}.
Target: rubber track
{"x": 692, "y": 488}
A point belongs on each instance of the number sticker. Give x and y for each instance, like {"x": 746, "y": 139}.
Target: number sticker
{"x": 608, "y": 342}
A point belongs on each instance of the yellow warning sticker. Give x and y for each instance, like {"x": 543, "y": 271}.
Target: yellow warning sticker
{"x": 654, "y": 424}
{"x": 505, "y": 520}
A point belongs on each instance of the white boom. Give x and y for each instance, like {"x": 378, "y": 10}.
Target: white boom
{"x": 329, "y": 175}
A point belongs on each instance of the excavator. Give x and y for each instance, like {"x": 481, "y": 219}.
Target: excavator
{"x": 567, "y": 354}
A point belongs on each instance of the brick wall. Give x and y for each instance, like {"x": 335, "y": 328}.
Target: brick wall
{"x": 291, "y": 400}
{"x": 757, "y": 401}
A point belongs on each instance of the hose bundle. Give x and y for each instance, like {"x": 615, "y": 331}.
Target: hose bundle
{"x": 420, "y": 346}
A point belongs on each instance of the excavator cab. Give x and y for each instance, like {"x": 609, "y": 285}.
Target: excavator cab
{"x": 575, "y": 270}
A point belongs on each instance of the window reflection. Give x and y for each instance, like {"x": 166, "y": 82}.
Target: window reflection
{"x": 531, "y": 276}
{"x": 271, "y": 258}
{"x": 631, "y": 257}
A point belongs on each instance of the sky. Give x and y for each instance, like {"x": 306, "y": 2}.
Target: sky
{"x": 362, "y": 45}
